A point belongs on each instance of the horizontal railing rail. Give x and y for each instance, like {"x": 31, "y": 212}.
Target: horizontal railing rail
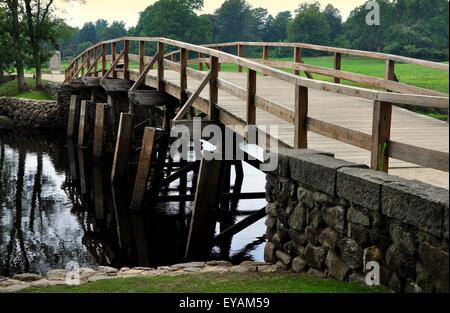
{"x": 378, "y": 142}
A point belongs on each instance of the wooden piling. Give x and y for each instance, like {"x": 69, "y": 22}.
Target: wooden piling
{"x": 83, "y": 129}
{"x": 122, "y": 150}
{"x": 99, "y": 129}
{"x": 202, "y": 228}
{"x": 73, "y": 116}
{"x": 143, "y": 171}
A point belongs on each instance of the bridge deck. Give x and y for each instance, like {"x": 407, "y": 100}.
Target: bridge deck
{"x": 355, "y": 113}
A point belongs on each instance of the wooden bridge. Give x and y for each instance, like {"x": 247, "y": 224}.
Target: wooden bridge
{"x": 362, "y": 125}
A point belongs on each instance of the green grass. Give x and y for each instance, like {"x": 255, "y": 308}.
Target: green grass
{"x": 437, "y": 116}
{"x": 9, "y": 89}
{"x": 215, "y": 283}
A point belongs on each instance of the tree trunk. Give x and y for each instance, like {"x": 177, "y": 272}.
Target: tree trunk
{"x": 20, "y": 75}
{"x": 15, "y": 34}
{"x": 38, "y": 66}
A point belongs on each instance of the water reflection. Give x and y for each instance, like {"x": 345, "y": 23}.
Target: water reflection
{"x": 57, "y": 205}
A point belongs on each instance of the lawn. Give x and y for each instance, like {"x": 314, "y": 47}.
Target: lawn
{"x": 216, "y": 283}
{"x": 9, "y": 89}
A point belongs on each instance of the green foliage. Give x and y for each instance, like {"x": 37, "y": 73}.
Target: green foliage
{"x": 233, "y": 21}
{"x": 310, "y": 25}
{"x": 174, "y": 19}
{"x": 6, "y": 55}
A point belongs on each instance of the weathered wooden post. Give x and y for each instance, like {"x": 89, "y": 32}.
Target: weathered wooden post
{"x": 83, "y": 129}
{"x": 103, "y": 60}
{"x": 126, "y": 60}
{"x": 265, "y": 54}
{"x": 183, "y": 76}
{"x": 381, "y": 134}
{"x": 113, "y": 57}
{"x": 201, "y": 233}
{"x": 161, "y": 66}
{"x": 73, "y": 116}
{"x": 143, "y": 171}
{"x": 213, "y": 89}
{"x": 200, "y": 64}
{"x": 297, "y": 58}
{"x": 99, "y": 203}
{"x": 122, "y": 151}
{"x": 99, "y": 129}
{"x": 301, "y": 117}
{"x": 337, "y": 65}
{"x": 240, "y": 53}
{"x": 251, "y": 104}
{"x": 141, "y": 56}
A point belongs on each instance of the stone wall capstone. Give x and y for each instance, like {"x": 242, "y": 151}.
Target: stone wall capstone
{"x": 329, "y": 217}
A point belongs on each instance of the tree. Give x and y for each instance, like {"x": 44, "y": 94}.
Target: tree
{"x": 14, "y": 28}
{"x": 6, "y": 57}
{"x": 277, "y": 29}
{"x": 260, "y": 20}
{"x": 233, "y": 21}
{"x": 101, "y": 29}
{"x": 174, "y": 19}
{"x": 310, "y": 25}
{"x": 88, "y": 33}
{"x": 334, "y": 19}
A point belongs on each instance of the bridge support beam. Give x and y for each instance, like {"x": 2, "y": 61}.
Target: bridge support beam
{"x": 73, "y": 116}
{"x": 202, "y": 228}
{"x": 143, "y": 171}
{"x": 99, "y": 130}
{"x": 85, "y": 122}
{"x": 122, "y": 150}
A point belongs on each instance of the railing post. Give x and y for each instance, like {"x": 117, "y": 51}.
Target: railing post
{"x": 103, "y": 60}
{"x": 219, "y": 68}
{"x": 389, "y": 71}
{"x": 240, "y": 52}
{"x": 113, "y": 57}
{"x": 381, "y": 134}
{"x": 213, "y": 89}
{"x": 297, "y": 58}
{"x": 337, "y": 65}
{"x": 141, "y": 56}
{"x": 200, "y": 64}
{"x": 183, "y": 75}
{"x": 126, "y": 60}
{"x": 161, "y": 66}
{"x": 251, "y": 93}
{"x": 88, "y": 63}
{"x": 96, "y": 62}
{"x": 301, "y": 117}
{"x": 265, "y": 54}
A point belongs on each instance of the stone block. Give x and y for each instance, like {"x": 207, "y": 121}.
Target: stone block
{"x": 299, "y": 265}
{"x": 270, "y": 253}
{"x": 356, "y": 216}
{"x": 417, "y": 204}
{"x": 362, "y": 186}
{"x": 283, "y": 257}
{"x": 432, "y": 273}
{"x": 329, "y": 238}
{"x": 297, "y": 220}
{"x": 351, "y": 253}
{"x": 334, "y": 217}
{"x": 338, "y": 269}
{"x": 315, "y": 256}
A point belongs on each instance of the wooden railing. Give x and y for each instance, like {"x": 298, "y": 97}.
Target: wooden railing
{"x": 378, "y": 142}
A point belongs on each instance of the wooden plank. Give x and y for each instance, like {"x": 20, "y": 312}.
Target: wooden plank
{"x": 185, "y": 109}
{"x": 240, "y": 53}
{"x": 83, "y": 129}
{"x": 381, "y": 133}
{"x": 126, "y": 60}
{"x": 346, "y": 135}
{"x": 213, "y": 89}
{"x": 150, "y": 98}
{"x": 91, "y": 82}
{"x": 160, "y": 66}
{"x": 177, "y": 174}
{"x": 301, "y": 115}
{"x": 144, "y": 72}
{"x": 183, "y": 76}
{"x": 115, "y": 85}
{"x": 200, "y": 64}
{"x": 113, "y": 60}
{"x": 104, "y": 60}
{"x": 143, "y": 171}
{"x": 240, "y": 226}
{"x": 122, "y": 150}
{"x": 112, "y": 69}
{"x": 202, "y": 227}
{"x": 337, "y": 66}
{"x": 99, "y": 130}
{"x": 418, "y": 155}
{"x": 251, "y": 92}
{"x": 141, "y": 56}
{"x": 72, "y": 123}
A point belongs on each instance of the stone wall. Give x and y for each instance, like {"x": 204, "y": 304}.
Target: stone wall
{"x": 329, "y": 217}
{"x": 38, "y": 114}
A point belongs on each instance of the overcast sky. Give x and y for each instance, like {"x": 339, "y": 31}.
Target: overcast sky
{"x": 128, "y": 10}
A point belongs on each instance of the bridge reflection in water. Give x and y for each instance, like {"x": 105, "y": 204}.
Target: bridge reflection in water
{"x": 57, "y": 205}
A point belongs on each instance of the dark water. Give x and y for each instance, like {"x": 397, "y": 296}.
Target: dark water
{"x": 57, "y": 205}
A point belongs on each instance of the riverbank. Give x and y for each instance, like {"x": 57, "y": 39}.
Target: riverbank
{"x": 195, "y": 277}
